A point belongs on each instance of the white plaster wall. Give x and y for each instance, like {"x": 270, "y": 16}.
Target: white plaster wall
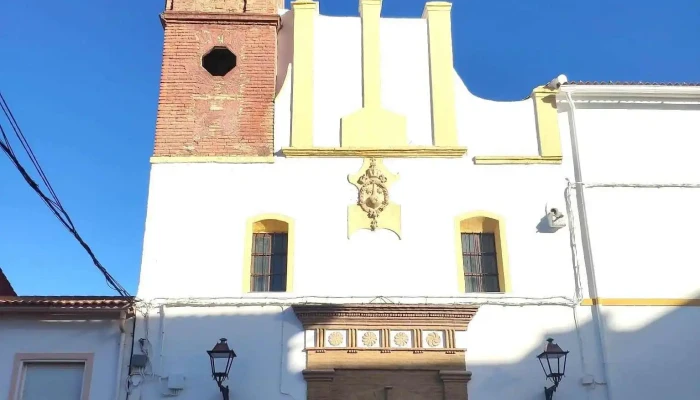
{"x": 643, "y": 239}
{"x": 501, "y": 343}
{"x": 268, "y": 342}
{"x": 31, "y": 336}
{"x": 653, "y": 352}
{"x": 197, "y": 212}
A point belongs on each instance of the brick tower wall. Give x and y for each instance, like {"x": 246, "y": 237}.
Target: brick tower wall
{"x": 221, "y": 116}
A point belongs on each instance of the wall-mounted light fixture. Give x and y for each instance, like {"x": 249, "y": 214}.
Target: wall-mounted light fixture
{"x": 221, "y": 360}
{"x": 553, "y": 362}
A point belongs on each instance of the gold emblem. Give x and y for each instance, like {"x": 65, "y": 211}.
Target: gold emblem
{"x": 373, "y": 195}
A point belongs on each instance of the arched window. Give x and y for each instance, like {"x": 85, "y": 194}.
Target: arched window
{"x": 268, "y": 263}
{"x": 482, "y": 255}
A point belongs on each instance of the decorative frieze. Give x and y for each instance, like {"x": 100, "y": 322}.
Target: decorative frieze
{"x": 381, "y": 316}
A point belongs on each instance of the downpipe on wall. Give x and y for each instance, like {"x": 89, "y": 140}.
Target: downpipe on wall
{"x": 586, "y": 246}
{"x": 120, "y": 357}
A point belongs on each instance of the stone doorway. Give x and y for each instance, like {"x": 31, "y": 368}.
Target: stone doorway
{"x": 385, "y": 352}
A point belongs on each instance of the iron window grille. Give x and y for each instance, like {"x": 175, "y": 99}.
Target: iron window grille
{"x": 269, "y": 263}
{"x": 480, "y": 262}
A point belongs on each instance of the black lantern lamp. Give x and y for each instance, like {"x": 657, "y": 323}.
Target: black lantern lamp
{"x": 221, "y": 360}
{"x": 553, "y": 361}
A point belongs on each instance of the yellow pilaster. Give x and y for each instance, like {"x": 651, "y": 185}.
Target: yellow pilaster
{"x": 305, "y": 12}
{"x": 439, "y": 18}
{"x": 372, "y": 126}
{"x": 547, "y": 122}
{"x": 370, "y": 11}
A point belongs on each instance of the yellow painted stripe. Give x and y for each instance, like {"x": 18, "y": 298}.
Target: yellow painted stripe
{"x": 493, "y": 160}
{"x": 389, "y": 152}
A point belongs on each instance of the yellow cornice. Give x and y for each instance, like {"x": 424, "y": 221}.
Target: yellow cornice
{"x": 216, "y": 160}
{"x": 495, "y": 160}
{"x": 437, "y": 6}
{"x": 305, "y": 5}
{"x": 658, "y": 302}
{"x": 389, "y": 152}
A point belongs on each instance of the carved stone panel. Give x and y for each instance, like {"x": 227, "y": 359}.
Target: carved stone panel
{"x": 374, "y": 209}
{"x": 385, "y": 351}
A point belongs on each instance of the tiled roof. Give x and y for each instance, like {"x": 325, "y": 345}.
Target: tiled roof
{"x": 66, "y": 302}
{"x": 627, "y": 83}
{"x": 5, "y": 287}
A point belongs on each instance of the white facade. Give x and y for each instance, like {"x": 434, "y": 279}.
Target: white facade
{"x": 92, "y": 347}
{"x": 640, "y": 181}
{"x": 641, "y": 239}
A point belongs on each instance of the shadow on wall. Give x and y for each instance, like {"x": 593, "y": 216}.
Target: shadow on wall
{"x": 285, "y": 49}
{"x": 652, "y": 353}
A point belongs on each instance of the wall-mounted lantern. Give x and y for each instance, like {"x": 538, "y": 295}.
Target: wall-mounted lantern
{"x": 221, "y": 360}
{"x": 553, "y": 362}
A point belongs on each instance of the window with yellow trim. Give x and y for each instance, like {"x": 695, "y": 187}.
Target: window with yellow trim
{"x": 269, "y": 256}
{"x": 482, "y": 254}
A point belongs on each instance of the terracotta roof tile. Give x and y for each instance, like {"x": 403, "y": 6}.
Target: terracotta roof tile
{"x": 629, "y": 83}
{"x": 67, "y": 302}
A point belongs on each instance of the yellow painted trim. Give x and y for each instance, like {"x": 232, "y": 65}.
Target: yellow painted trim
{"x": 547, "y": 121}
{"x": 501, "y": 246}
{"x": 269, "y": 223}
{"x": 216, "y": 160}
{"x": 494, "y": 160}
{"x": 641, "y": 302}
{"x": 303, "y": 73}
{"x": 548, "y": 135}
{"x": 372, "y": 125}
{"x": 439, "y": 19}
{"x": 388, "y": 152}
{"x": 370, "y": 12}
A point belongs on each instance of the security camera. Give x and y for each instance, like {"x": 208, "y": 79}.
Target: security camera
{"x": 555, "y": 83}
{"x": 556, "y": 213}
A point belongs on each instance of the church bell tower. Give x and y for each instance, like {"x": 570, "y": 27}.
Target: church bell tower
{"x": 217, "y": 85}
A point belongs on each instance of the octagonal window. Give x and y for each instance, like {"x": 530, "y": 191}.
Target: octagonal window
{"x": 219, "y": 61}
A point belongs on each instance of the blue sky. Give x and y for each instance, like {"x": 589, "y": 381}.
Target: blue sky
{"x": 82, "y": 79}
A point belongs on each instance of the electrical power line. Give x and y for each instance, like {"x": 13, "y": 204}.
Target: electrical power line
{"x": 51, "y": 200}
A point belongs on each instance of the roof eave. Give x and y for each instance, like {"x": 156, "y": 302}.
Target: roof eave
{"x": 65, "y": 313}
{"x": 674, "y": 92}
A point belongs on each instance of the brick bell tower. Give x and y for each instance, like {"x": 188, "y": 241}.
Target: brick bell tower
{"x": 217, "y": 85}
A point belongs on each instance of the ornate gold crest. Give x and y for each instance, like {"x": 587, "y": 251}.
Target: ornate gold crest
{"x": 373, "y": 196}
{"x": 373, "y": 204}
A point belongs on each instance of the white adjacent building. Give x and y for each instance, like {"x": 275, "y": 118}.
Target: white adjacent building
{"x": 63, "y": 347}
{"x": 328, "y": 196}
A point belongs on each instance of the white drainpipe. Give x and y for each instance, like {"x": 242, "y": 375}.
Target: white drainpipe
{"x": 120, "y": 357}
{"x": 586, "y": 244}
